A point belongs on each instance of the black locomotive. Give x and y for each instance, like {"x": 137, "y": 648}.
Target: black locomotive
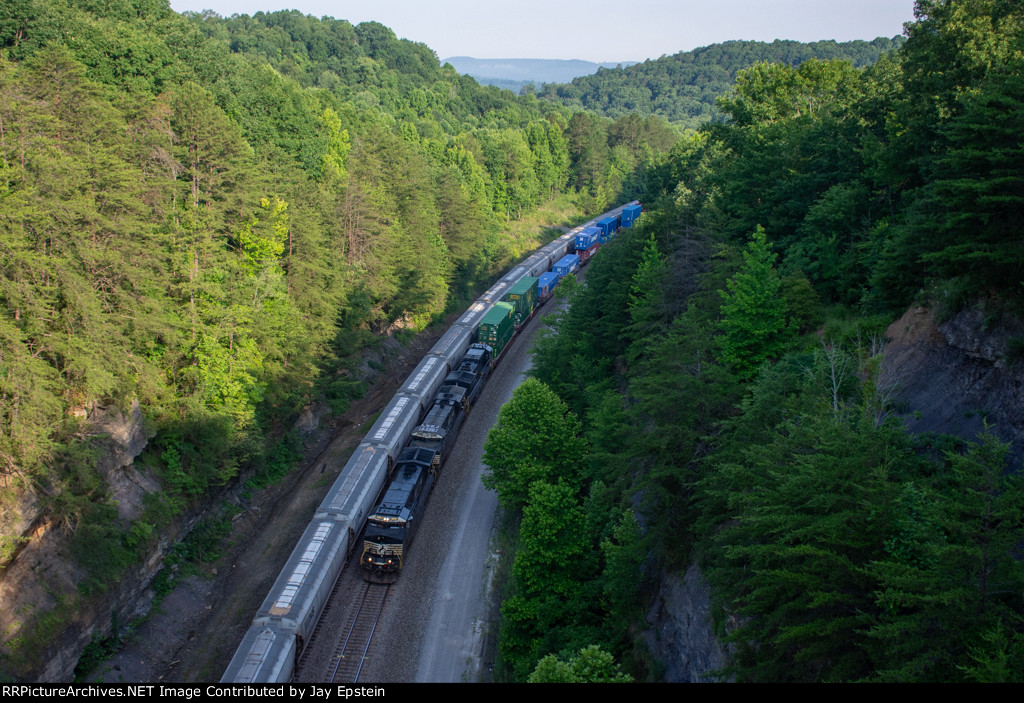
{"x": 391, "y": 526}
{"x": 288, "y": 615}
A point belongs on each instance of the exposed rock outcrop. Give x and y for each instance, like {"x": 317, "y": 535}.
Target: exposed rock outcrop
{"x": 121, "y": 438}
{"x": 681, "y": 635}
{"x": 953, "y": 377}
{"x": 957, "y": 376}
{"x": 311, "y": 417}
{"x": 39, "y": 587}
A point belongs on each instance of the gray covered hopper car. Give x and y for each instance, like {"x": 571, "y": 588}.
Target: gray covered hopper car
{"x": 425, "y": 379}
{"x": 285, "y": 621}
{"x": 298, "y": 596}
{"x": 266, "y": 655}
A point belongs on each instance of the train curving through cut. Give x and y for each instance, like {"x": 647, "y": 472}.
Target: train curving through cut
{"x": 408, "y": 443}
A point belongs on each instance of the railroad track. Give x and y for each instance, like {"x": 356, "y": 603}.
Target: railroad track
{"x": 302, "y": 594}
{"x": 353, "y": 650}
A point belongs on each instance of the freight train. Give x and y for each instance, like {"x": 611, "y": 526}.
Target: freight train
{"x": 424, "y": 414}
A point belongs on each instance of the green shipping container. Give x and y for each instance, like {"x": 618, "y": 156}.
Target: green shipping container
{"x": 496, "y": 328}
{"x": 523, "y": 296}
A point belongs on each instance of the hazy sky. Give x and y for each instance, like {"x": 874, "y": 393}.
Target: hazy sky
{"x": 596, "y": 30}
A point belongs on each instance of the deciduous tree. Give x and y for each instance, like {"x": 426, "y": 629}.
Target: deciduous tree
{"x": 535, "y": 438}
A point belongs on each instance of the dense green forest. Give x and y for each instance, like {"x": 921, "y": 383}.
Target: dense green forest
{"x": 684, "y": 87}
{"x": 715, "y": 391}
{"x": 214, "y": 217}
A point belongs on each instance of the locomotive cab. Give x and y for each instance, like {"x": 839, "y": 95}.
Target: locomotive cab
{"x": 477, "y": 358}
{"x": 391, "y": 527}
{"x": 384, "y": 541}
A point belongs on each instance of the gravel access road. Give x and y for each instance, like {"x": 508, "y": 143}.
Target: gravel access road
{"x": 441, "y": 614}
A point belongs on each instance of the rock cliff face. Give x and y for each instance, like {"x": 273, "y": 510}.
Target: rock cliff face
{"x": 953, "y": 377}
{"x": 682, "y": 637}
{"x": 38, "y": 586}
{"x": 956, "y": 376}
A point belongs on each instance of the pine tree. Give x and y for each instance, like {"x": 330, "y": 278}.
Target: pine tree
{"x": 753, "y": 313}
{"x": 803, "y": 521}
{"x": 949, "y": 582}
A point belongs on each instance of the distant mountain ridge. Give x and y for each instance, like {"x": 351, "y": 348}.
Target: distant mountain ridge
{"x": 515, "y": 73}
{"x": 683, "y": 87}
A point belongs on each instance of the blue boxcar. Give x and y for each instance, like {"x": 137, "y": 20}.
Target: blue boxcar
{"x": 629, "y": 215}
{"x": 566, "y": 265}
{"x": 587, "y": 238}
{"x": 546, "y": 284}
{"x": 608, "y": 227}
{"x": 285, "y": 621}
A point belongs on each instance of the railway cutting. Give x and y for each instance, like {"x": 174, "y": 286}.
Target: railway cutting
{"x": 423, "y": 417}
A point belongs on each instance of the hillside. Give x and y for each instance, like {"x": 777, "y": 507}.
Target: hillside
{"x": 205, "y": 224}
{"x": 683, "y": 87}
{"x": 800, "y": 376}
{"x": 211, "y": 230}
